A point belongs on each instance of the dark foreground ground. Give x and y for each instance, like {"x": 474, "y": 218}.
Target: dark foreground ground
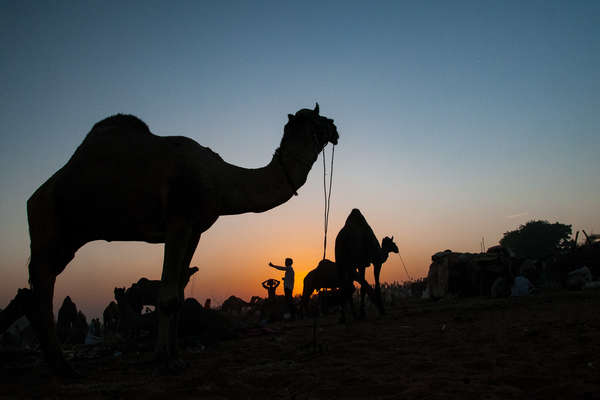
{"x": 543, "y": 347}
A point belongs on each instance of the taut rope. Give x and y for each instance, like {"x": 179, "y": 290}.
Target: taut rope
{"x": 327, "y": 196}
{"x": 405, "y": 270}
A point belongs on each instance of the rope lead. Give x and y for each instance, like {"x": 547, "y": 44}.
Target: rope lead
{"x": 327, "y": 195}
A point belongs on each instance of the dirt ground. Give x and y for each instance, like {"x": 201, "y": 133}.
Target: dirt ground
{"x": 542, "y": 347}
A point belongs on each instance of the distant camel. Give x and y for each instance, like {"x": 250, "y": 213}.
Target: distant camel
{"x": 125, "y": 183}
{"x": 127, "y": 316}
{"x": 146, "y": 291}
{"x": 356, "y": 248}
{"x": 326, "y": 276}
{"x": 233, "y": 305}
{"x": 71, "y": 324}
{"x": 67, "y": 318}
{"x": 110, "y": 317}
{"x": 131, "y": 322}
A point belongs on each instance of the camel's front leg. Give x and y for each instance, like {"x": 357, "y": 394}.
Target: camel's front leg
{"x": 183, "y": 281}
{"x": 180, "y": 245}
{"x": 377, "y": 272}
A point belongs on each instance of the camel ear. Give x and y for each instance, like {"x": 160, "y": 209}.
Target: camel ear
{"x": 290, "y": 117}
{"x": 392, "y": 238}
{"x": 317, "y": 109}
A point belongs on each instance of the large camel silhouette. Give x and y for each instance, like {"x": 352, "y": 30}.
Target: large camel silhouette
{"x": 356, "y": 248}
{"x": 125, "y": 183}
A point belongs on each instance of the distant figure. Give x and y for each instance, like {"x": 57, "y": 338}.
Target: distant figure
{"x": 521, "y": 287}
{"x": 271, "y": 285}
{"x": 577, "y": 279}
{"x": 207, "y": 304}
{"x": 95, "y": 327}
{"x": 94, "y": 333}
{"x": 288, "y": 283}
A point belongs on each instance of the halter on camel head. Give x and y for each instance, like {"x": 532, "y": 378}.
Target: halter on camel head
{"x": 323, "y": 131}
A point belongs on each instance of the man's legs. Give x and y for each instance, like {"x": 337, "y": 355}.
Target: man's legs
{"x": 290, "y": 302}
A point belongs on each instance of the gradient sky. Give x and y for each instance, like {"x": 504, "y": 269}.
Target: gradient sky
{"x": 457, "y": 120}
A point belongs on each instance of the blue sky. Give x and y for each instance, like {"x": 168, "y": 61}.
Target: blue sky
{"x": 457, "y": 120}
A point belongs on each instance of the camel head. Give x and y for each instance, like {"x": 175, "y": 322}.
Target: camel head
{"x": 388, "y": 245}
{"x": 308, "y": 131}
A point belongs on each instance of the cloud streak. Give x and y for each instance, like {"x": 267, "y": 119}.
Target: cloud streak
{"x": 516, "y": 215}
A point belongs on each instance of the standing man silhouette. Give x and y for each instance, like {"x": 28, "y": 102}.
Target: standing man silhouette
{"x": 288, "y": 284}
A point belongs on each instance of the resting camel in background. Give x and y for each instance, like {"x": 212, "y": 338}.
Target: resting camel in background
{"x": 356, "y": 248}
{"x": 125, "y": 183}
{"x": 131, "y": 302}
{"x": 131, "y": 322}
{"x": 19, "y": 306}
{"x": 146, "y": 291}
{"x": 326, "y": 276}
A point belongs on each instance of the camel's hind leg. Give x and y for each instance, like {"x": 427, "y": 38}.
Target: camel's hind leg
{"x": 50, "y": 253}
{"x": 365, "y": 288}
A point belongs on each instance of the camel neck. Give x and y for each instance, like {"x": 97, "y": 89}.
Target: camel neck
{"x": 384, "y": 255}
{"x": 257, "y": 190}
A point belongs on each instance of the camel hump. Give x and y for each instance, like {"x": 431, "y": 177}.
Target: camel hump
{"x": 356, "y": 217}
{"x": 325, "y": 263}
{"x": 355, "y": 212}
{"x": 121, "y": 122}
